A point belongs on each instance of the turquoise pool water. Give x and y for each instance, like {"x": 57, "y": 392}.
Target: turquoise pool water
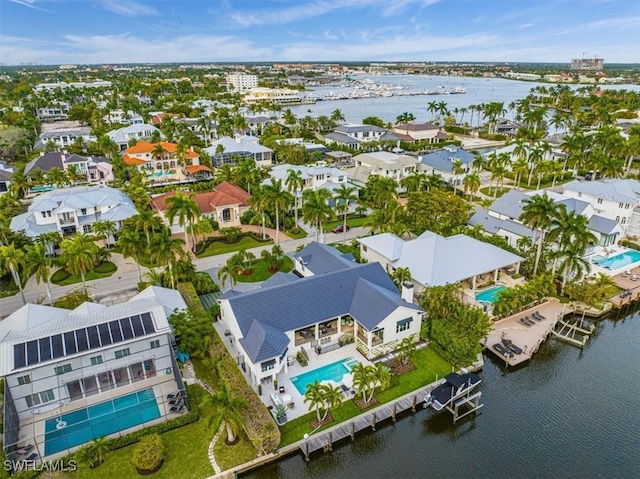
{"x": 618, "y": 261}
{"x": 43, "y": 188}
{"x": 102, "y": 419}
{"x": 489, "y": 295}
{"x": 329, "y": 372}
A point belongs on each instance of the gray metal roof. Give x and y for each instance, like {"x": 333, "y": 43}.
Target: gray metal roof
{"x": 573, "y": 204}
{"x": 365, "y": 292}
{"x": 510, "y": 204}
{"x": 492, "y": 225}
{"x": 603, "y": 225}
{"x": 320, "y": 259}
{"x": 443, "y": 160}
{"x": 279, "y": 278}
{"x": 342, "y": 138}
{"x": 353, "y": 128}
{"x": 618, "y": 190}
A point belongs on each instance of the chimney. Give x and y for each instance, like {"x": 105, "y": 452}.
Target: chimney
{"x": 407, "y": 291}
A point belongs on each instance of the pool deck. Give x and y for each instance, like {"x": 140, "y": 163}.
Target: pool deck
{"x": 528, "y": 338}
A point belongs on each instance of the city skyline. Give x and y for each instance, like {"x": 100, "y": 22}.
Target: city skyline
{"x": 138, "y": 31}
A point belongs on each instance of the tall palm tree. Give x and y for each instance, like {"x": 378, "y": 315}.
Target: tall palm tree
{"x": 39, "y": 263}
{"x": 50, "y": 240}
{"x": 401, "y": 275}
{"x": 166, "y": 250}
{"x": 315, "y": 397}
{"x": 185, "y": 209}
{"x": 315, "y": 210}
{"x": 13, "y": 260}
{"x": 537, "y": 213}
{"x": 520, "y": 167}
{"x": 57, "y": 177}
{"x": 259, "y": 202}
{"x": 337, "y": 116}
{"x": 277, "y": 199}
{"x": 295, "y": 182}
{"x": 471, "y": 183}
{"x": 384, "y": 191}
{"x": 227, "y": 410}
{"x": 147, "y": 221}
{"x": 414, "y": 181}
{"x": 104, "y": 229}
{"x": 79, "y": 254}
{"x": 332, "y": 397}
{"x": 229, "y": 271}
{"x": 346, "y": 194}
{"x": 131, "y": 247}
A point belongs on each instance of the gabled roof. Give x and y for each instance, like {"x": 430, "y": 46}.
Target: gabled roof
{"x": 342, "y": 138}
{"x": 286, "y": 307}
{"x": 415, "y": 126}
{"x": 243, "y": 143}
{"x": 618, "y": 190}
{"x": 435, "y": 260}
{"x": 493, "y": 225}
{"x": 224, "y": 194}
{"x": 443, "y": 160}
{"x": 53, "y": 159}
{"x": 319, "y": 258}
{"x": 385, "y": 159}
{"x": 573, "y": 204}
{"x": 148, "y": 147}
{"x": 604, "y": 226}
{"x": 510, "y": 204}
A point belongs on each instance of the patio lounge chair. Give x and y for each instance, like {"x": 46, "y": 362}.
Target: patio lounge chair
{"x": 345, "y": 389}
{"x": 537, "y": 316}
{"x": 525, "y": 321}
{"x": 507, "y": 343}
{"x": 502, "y": 350}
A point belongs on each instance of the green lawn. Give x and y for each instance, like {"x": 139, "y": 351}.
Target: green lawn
{"x": 544, "y": 184}
{"x": 103, "y": 270}
{"x": 352, "y": 221}
{"x": 8, "y": 288}
{"x": 186, "y": 456}
{"x": 230, "y": 456}
{"x": 300, "y": 234}
{"x": 218, "y": 247}
{"x": 429, "y": 366}
{"x": 491, "y": 191}
{"x": 261, "y": 271}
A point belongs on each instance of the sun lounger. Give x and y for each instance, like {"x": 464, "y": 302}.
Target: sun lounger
{"x": 502, "y": 350}
{"x": 275, "y": 399}
{"x": 536, "y": 315}
{"x": 526, "y": 322}
{"x": 345, "y": 389}
{"x": 512, "y": 347}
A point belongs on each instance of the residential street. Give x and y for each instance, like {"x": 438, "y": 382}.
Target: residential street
{"x": 123, "y": 283}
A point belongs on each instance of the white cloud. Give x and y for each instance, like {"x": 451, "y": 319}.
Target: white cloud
{"x": 127, "y": 8}
{"x": 31, "y": 4}
{"x": 614, "y": 23}
{"x": 527, "y": 25}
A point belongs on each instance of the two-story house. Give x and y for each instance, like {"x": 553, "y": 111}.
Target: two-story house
{"x": 57, "y": 110}
{"x": 5, "y": 177}
{"x": 352, "y": 135}
{"x": 122, "y": 117}
{"x": 122, "y": 136}
{"x": 227, "y": 151}
{"x": 72, "y": 376}
{"x": 72, "y": 210}
{"x": 168, "y": 164}
{"x": 65, "y": 137}
{"x": 95, "y": 169}
{"x": 443, "y": 163}
{"x": 204, "y": 129}
{"x": 382, "y": 163}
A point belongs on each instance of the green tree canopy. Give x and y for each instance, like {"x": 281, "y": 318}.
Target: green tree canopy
{"x": 436, "y": 210}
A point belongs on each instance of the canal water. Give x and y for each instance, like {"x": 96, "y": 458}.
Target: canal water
{"x": 567, "y": 413}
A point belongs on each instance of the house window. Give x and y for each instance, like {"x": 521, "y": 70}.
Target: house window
{"x": 86, "y": 229}
{"x": 618, "y": 219}
{"x": 364, "y": 248}
{"x": 403, "y": 325}
{"x": 40, "y": 398}
{"x": 65, "y": 368}
{"x": 624, "y": 220}
{"x": 268, "y": 365}
{"x": 599, "y": 201}
{"x": 122, "y": 353}
{"x": 83, "y": 211}
{"x": 155, "y": 344}
{"x": 22, "y": 380}
{"x": 95, "y": 360}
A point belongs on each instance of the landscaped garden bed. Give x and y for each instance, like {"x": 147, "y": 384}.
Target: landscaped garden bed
{"x": 219, "y": 245}
{"x": 398, "y": 368}
{"x": 260, "y": 270}
{"x": 103, "y": 270}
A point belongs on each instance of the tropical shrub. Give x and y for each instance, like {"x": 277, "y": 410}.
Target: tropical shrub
{"x": 73, "y": 299}
{"x": 301, "y": 359}
{"x": 148, "y": 455}
{"x": 520, "y": 296}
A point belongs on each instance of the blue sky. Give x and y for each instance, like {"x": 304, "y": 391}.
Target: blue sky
{"x": 124, "y": 31}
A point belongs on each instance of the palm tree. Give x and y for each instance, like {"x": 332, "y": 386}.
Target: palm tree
{"x": 471, "y": 184}
{"x": 401, "y": 275}
{"x": 39, "y": 263}
{"x": 227, "y": 410}
{"x": 57, "y": 177}
{"x": 166, "y": 250}
{"x": 259, "y": 202}
{"x": 229, "y": 271}
{"x": 457, "y": 168}
{"x": 346, "y": 194}
{"x": 147, "y": 221}
{"x": 295, "y": 182}
{"x": 572, "y": 262}
{"x": 384, "y": 190}
{"x": 519, "y": 168}
{"x": 337, "y": 116}
{"x": 79, "y": 254}
{"x": 537, "y": 213}
{"x": 277, "y": 199}
{"x": 315, "y": 210}
{"x": 332, "y": 397}
{"x": 131, "y": 247}
{"x": 50, "y": 240}
{"x": 186, "y": 209}
{"x": 404, "y": 118}
{"x": 414, "y": 181}
{"x": 407, "y": 348}
{"x": 315, "y": 397}
{"x": 104, "y": 230}
{"x": 13, "y": 259}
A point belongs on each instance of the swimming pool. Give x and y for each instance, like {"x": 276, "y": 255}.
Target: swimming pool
{"x": 42, "y": 189}
{"x": 102, "y": 419}
{"x": 330, "y": 372}
{"x": 489, "y": 295}
{"x": 618, "y": 261}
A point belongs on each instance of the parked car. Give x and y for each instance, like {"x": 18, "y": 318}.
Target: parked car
{"x": 339, "y": 229}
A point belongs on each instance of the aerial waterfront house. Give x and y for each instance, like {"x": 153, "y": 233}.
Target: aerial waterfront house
{"x": 168, "y": 165}
{"x": 227, "y": 151}
{"x": 74, "y": 210}
{"x": 421, "y": 132}
{"x": 319, "y": 313}
{"x": 95, "y": 169}
{"x": 122, "y": 136}
{"x": 123, "y": 117}
{"x": 435, "y": 260}
{"x": 383, "y": 163}
{"x": 225, "y": 204}
{"x": 352, "y": 135}
{"x": 442, "y": 163}
{"x": 65, "y": 137}
{"x": 73, "y": 376}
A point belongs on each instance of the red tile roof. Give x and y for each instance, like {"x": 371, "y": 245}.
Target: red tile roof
{"x": 224, "y": 194}
{"x": 195, "y": 168}
{"x": 129, "y": 160}
{"x": 147, "y": 147}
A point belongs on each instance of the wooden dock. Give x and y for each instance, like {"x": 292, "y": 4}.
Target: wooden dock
{"x": 626, "y": 283}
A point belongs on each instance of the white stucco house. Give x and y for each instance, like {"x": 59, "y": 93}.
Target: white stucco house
{"x": 141, "y": 131}
{"x": 75, "y": 375}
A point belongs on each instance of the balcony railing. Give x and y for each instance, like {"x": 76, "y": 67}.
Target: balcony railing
{"x": 67, "y": 221}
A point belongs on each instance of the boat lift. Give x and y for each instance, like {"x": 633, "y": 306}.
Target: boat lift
{"x": 457, "y": 392}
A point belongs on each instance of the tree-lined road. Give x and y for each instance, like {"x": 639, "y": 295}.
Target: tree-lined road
{"x": 124, "y": 282}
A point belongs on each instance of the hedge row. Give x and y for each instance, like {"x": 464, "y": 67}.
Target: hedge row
{"x": 188, "y": 292}
{"x": 629, "y": 244}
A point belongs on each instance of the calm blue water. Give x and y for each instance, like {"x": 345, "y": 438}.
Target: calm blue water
{"x": 479, "y": 90}
{"x": 618, "y": 261}
{"x": 489, "y": 295}
{"x": 568, "y": 413}
{"x": 100, "y": 420}
{"x": 330, "y": 372}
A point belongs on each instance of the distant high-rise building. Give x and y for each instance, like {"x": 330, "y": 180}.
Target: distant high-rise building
{"x": 241, "y": 82}
{"x": 592, "y": 64}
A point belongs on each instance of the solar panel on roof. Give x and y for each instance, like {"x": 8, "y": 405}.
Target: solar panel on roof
{"x": 19, "y": 359}
{"x": 81, "y": 340}
{"x": 127, "y": 330}
{"x": 94, "y": 339}
{"x": 147, "y": 322}
{"x": 56, "y": 346}
{"x": 70, "y": 343}
{"x": 45, "y": 348}
{"x": 138, "y": 330}
{"x": 32, "y": 352}
{"x": 116, "y": 334}
{"x": 105, "y": 337}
